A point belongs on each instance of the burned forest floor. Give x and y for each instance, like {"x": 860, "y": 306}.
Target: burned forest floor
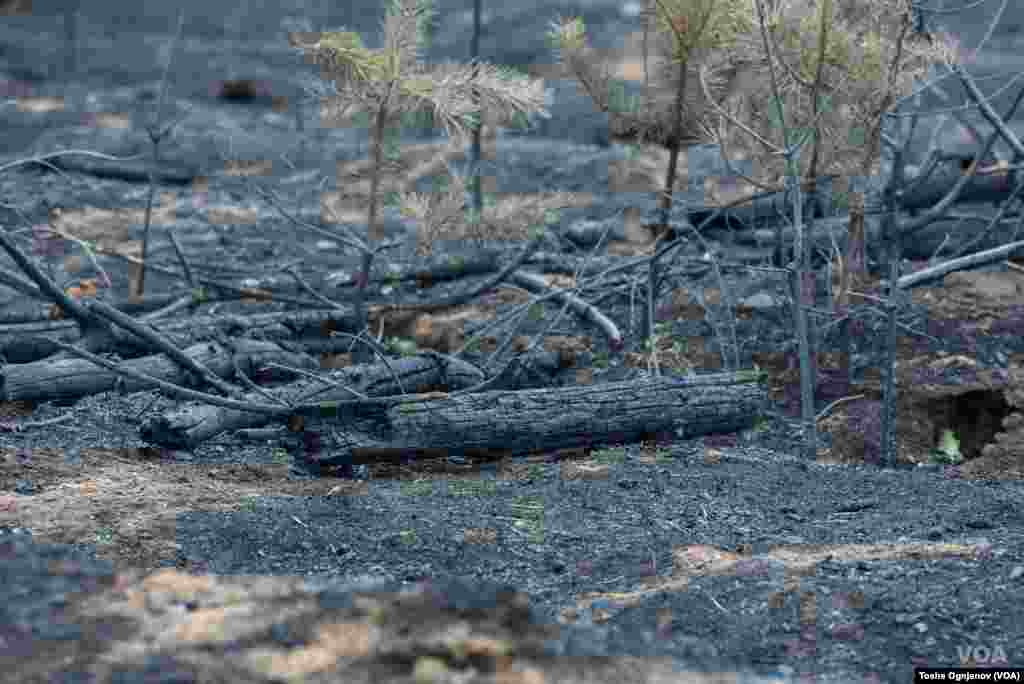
{"x": 716, "y": 553}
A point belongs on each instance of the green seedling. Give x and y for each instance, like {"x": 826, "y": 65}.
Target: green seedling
{"x": 610, "y": 455}
{"x": 754, "y": 374}
{"x": 662, "y": 455}
{"x": 401, "y": 346}
{"x": 948, "y": 449}
{"x": 471, "y": 487}
{"x": 416, "y": 487}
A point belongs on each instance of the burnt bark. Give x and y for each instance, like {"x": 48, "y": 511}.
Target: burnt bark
{"x": 24, "y": 343}
{"x": 195, "y": 422}
{"x": 498, "y": 424}
{"x": 70, "y": 378}
{"x": 130, "y": 170}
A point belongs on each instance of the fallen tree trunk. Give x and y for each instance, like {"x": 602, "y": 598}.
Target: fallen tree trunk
{"x": 989, "y": 184}
{"x": 130, "y": 170}
{"x": 951, "y": 233}
{"x": 752, "y": 221}
{"x": 29, "y": 342}
{"x": 191, "y": 424}
{"x": 68, "y": 379}
{"x": 498, "y": 424}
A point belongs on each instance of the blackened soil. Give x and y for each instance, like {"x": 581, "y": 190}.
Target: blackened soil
{"x": 841, "y": 571}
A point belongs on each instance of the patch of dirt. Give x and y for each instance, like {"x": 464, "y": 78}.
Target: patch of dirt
{"x": 128, "y": 501}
